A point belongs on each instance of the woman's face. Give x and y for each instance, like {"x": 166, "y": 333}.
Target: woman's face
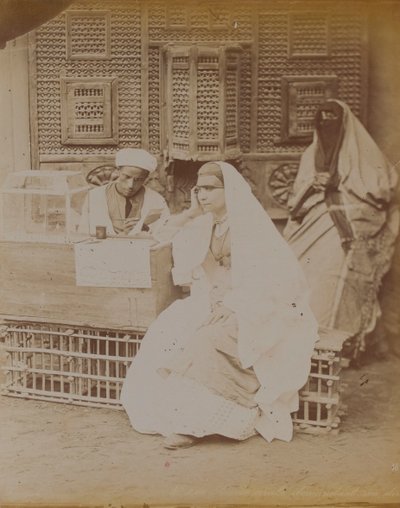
{"x": 211, "y": 199}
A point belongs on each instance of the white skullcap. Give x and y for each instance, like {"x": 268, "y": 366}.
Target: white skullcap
{"x": 136, "y": 157}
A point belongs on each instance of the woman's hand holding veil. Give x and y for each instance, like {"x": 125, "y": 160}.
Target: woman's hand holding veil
{"x": 195, "y": 209}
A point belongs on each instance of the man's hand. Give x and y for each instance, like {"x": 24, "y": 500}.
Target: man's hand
{"x": 129, "y": 224}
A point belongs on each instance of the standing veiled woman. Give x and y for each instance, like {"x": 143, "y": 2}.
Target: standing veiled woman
{"x": 342, "y": 226}
{"x": 231, "y": 357}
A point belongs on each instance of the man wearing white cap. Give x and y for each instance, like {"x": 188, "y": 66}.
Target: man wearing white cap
{"x": 126, "y": 206}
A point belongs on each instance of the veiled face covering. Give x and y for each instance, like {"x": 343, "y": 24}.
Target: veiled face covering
{"x": 329, "y": 126}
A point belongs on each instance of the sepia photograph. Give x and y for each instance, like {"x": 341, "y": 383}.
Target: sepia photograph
{"x": 199, "y": 253}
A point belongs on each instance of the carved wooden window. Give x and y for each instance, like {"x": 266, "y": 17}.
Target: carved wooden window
{"x": 88, "y": 35}
{"x": 89, "y": 111}
{"x": 202, "y": 99}
{"x": 309, "y": 35}
{"x": 301, "y": 95}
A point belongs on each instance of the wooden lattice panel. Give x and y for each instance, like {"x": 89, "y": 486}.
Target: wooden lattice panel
{"x": 219, "y": 17}
{"x": 177, "y": 16}
{"x": 179, "y": 101}
{"x": 206, "y": 23}
{"x": 155, "y": 91}
{"x": 88, "y": 35}
{"x": 124, "y": 63}
{"x": 245, "y": 99}
{"x": 180, "y": 97}
{"x": 309, "y": 35}
{"x": 208, "y": 102}
{"x": 88, "y": 111}
{"x": 301, "y": 96}
{"x": 107, "y": 38}
{"x": 344, "y": 58}
{"x": 203, "y": 92}
{"x": 232, "y": 98}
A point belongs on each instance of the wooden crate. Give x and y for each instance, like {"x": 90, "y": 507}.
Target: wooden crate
{"x": 60, "y": 363}
{"x": 319, "y": 406}
{"x": 87, "y": 366}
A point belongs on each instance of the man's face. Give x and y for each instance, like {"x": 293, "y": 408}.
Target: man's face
{"x": 130, "y": 180}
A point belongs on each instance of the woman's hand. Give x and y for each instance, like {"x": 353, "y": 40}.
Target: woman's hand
{"x": 219, "y": 314}
{"x": 165, "y": 232}
{"x": 321, "y": 180}
{"x": 195, "y": 209}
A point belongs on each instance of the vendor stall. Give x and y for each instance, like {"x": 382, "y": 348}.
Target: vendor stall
{"x": 74, "y": 308}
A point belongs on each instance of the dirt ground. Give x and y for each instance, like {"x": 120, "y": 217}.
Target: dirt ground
{"x": 53, "y": 453}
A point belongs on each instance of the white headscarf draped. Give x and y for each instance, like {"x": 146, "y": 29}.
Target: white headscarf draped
{"x": 269, "y": 290}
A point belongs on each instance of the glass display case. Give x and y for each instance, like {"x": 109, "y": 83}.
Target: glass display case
{"x": 42, "y": 206}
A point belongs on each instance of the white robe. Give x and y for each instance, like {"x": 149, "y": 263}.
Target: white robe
{"x": 95, "y": 211}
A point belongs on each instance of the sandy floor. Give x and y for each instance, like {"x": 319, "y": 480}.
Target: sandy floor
{"x": 52, "y": 453}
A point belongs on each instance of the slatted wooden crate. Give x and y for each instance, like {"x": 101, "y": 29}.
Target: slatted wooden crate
{"x": 319, "y": 407}
{"x": 53, "y": 362}
{"x": 87, "y": 366}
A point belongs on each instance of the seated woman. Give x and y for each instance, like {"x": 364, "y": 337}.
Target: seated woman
{"x": 342, "y": 226}
{"x": 231, "y": 357}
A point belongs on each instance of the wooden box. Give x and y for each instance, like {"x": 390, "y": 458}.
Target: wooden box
{"x": 37, "y": 283}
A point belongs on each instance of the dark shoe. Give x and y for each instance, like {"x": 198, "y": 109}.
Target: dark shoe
{"x": 177, "y": 441}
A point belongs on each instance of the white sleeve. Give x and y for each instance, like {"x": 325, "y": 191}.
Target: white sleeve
{"x": 165, "y": 214}
{"x": 84, "y": 222}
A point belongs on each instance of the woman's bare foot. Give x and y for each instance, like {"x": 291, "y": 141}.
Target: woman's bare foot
{"x": 176, "y": 441}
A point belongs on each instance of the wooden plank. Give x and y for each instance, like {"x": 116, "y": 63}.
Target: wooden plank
{"x": 331, "y": 339}
{"x": 274, "y": 157}
{"x": 71, "y": 158}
